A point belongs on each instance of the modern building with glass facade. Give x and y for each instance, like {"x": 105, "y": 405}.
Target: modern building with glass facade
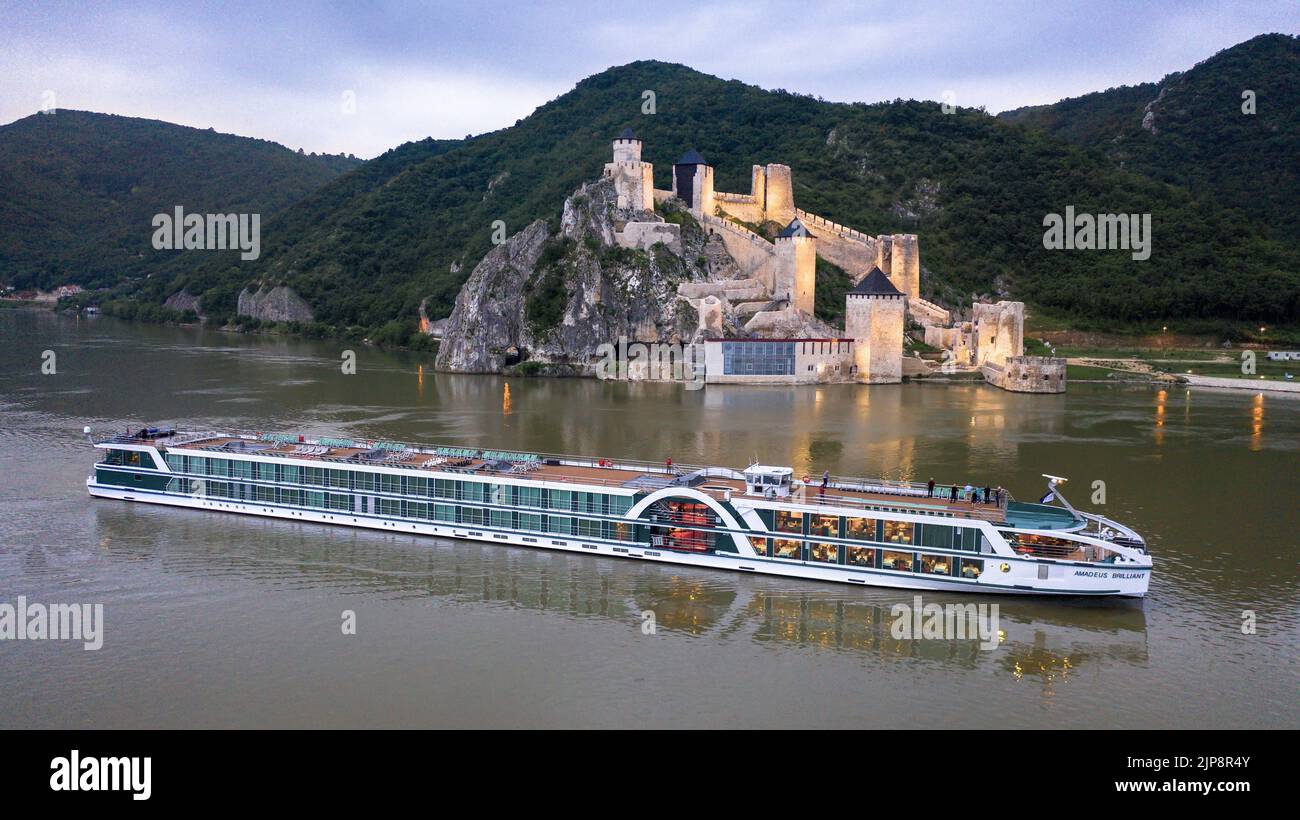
{"x": 778, "y": 361}
{"x": 759, "y": 520}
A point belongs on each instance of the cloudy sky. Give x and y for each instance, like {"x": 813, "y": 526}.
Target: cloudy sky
{"x": 363, "y": 77}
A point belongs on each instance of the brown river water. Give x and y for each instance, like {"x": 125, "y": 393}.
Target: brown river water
{"x": 215, "y": 620}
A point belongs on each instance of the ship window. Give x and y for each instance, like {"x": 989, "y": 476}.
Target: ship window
{"x": 862, "y": 529}
{"x": 388, "y": 507}
{"x": 618, "y": 530}
{"x": 392, "y": 484}
{"x": 588, "y": 528}
{"x": 291, "y": 473}
{"x": 445, "y": 487}
{"x": 901, "y": 561}
{"x": 444, "y": 512}
{"x": 338, "y": 478}
{"x": 785, "y": 548}
{"x": 559, "y": 523}
{"x": 936, "y": 535}
{"x": 936, "y": 564}
{"x": 787, "y": 521}
{"x": 824, "y": 525}
{"x": 825, "y": 553}
{"x": 897, "y": 532}
{"x": 619, "y": 504}
{"x": 971, "y": 567}
{"x": 530, "y": 521}
{"x": 561, "y": 499}
{"x": 472, "y": 515}
{"x": 527, "y": 496}
{"x": 415, "y": 485}
{"x": 473, "y": 491}
{"x": 365, "y": 482}
{"x": 860, "y": 556}
{"x": 502, "y": 518}
{"x": 760, "y": 545}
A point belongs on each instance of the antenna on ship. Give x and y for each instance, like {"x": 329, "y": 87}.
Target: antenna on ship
{"x": 1054, "y": 491}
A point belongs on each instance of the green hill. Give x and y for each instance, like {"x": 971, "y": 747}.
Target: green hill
{"x": 1189, "y": 129}
{"x": 78, "y": 191}
{"x": 365, "y": 249}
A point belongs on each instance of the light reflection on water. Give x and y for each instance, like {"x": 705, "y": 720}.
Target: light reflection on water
{"x": 217, "y": 620}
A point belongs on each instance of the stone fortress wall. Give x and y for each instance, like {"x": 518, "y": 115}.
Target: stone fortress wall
{"x": 775, "y": 283}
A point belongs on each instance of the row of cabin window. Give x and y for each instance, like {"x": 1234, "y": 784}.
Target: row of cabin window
{"x": 504, "y": 494}
{"x": 873, "y": 529}
{"x": 869, "y": 557}
{"x": 395, "y": 508}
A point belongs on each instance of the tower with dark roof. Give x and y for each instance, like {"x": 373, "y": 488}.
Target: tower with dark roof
{"x": 627, "y": 147}
{"x": 693, "y": 183}
{"x": 796, "y": 266}
{"x": 874, "y": 314}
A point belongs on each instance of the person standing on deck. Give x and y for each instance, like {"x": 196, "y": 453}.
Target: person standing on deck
{"x": 669, "y": 462}
{"x": 988, "y": 495}
{"x": 930, "y": 488}
{"x": 952, "y": 493}
{"x": 967, "y": 493}
{"x": 826, "y": 480}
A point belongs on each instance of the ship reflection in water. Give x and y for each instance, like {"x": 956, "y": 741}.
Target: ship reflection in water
{"x": 1045, "y": 640}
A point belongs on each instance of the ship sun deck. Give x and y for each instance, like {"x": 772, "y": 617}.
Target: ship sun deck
{"x": 866, "y": 494}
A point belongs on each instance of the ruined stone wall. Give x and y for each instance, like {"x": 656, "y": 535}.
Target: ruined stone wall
{"x": 1028, "y": 374}
{"x": 739, "y": 206}
{"x": 633, "y": 183}
{"x": 998, "y": 331}
{"x": 644, "y": 235}
{"x": 754, "y": 255}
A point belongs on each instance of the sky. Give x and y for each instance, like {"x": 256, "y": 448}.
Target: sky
{"x": 364, "y": 77}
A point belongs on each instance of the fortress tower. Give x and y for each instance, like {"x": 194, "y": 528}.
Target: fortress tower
{"x": 777, "y": 193}
{"x": 796, "y": 266}
{"x": 633, "y": 179}
{"x": 873, "y": 318}
{"x": 905, "y": 266}
{"x": 693, "y": 183}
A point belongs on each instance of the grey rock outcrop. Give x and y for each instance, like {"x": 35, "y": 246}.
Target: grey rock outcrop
{"x": 555, "y": 299}
{"x": 183, "y": 300}
{"x": 276, "y": 304}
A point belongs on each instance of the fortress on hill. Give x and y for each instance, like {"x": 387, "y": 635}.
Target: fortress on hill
{"x": 774, "y": 293}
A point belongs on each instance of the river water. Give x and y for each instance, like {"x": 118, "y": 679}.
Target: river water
{"x": 214, "y": 620}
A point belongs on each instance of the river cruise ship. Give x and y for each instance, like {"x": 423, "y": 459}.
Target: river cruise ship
{"x": 762, "y": 520}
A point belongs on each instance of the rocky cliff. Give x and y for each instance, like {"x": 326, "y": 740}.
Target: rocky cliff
{"x": 552, "y": 297}
{"x": 276, "y": 304}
